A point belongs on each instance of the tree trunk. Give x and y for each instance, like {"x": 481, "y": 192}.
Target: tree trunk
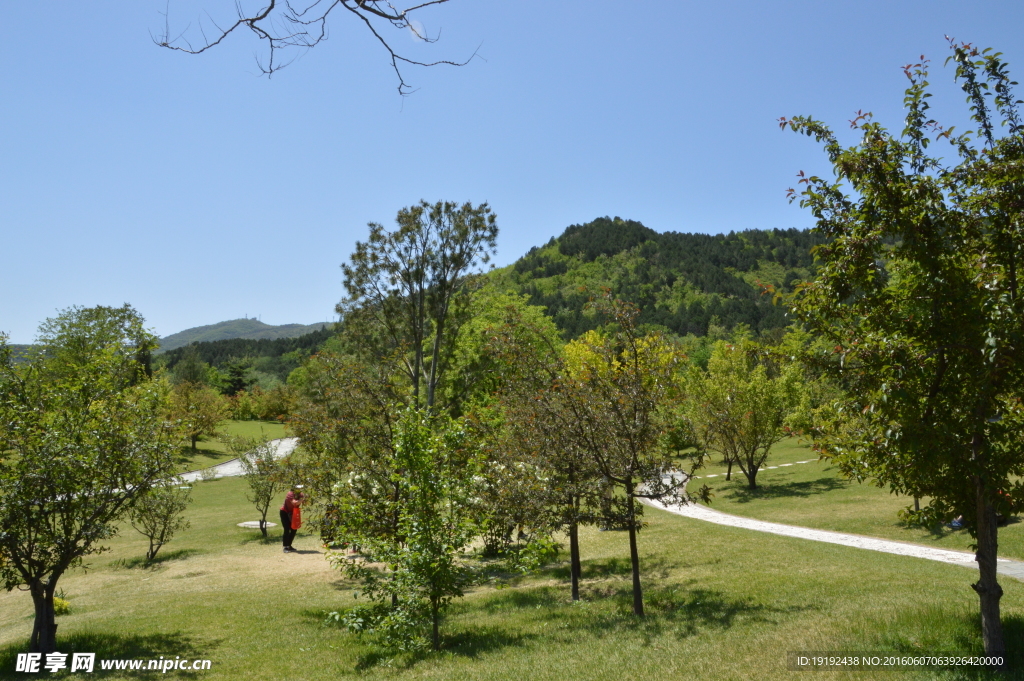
{"x": 195, "y": 438}
{"x": 263, "y": 525}
{"x": 917, "y": 504}
{"x": 434, "y": 615}
{"x": 44, "y": 630}
{"x": 575, "y": 568}
{"x": 728, "y": 471}
{"x": 751, "y": 478}
{"x": 435, "y": 357}
{"x": 987, "y": 586}
{"x": 634, "y": 557}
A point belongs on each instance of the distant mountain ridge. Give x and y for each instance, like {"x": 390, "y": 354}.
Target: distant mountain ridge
{"x": 236, "y": 328}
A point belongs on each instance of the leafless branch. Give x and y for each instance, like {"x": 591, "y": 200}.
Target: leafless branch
{"x": 309, "y": 28}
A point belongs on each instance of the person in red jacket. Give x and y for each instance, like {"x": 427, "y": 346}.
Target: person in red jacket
{"x": 292, "y": 501}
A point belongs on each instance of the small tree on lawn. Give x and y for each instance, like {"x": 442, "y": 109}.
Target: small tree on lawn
{"x": 347, "y": 425}
{"x": 622, "y": 391}
{"x": 535, "y": 429}
{"x": 197, "y": 410}
{"x": 158, "y": 514}
{"x": 918, "y": 295}
{"x": 82, "y": 437}
{"x": 263, "y": 472}
{"x": 424, "y": 572}
{"x": 738, "y": 409}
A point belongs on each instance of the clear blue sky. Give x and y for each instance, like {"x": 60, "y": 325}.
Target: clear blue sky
{"x": 198, "y": 191}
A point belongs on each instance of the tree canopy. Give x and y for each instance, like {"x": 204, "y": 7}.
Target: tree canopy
{"x": 918, "y": 297}
{"x": 82, "y": 437}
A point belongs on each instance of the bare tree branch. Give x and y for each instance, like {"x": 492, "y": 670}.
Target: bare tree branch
{"x": 308, "y": 29}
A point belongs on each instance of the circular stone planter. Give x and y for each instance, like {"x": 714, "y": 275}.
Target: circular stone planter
{"x": 255, "y": 524}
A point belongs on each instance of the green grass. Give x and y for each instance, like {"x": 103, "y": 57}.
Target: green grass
{"x": 723, "y": 603}
{"x": 816, "y": 495}
{"x": 212, "y": 451}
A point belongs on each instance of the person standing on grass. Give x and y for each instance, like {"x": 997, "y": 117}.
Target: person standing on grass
{"x": 292, "y": 501}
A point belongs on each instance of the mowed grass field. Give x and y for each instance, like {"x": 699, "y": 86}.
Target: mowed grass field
{"x": 723, "y": 603}
{"x": 815, "y": 495}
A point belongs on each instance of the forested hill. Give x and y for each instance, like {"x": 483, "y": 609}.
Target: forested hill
{"x": 683, "y": 282}
{"x": 276, "y": 356}
{"x": 235, "y": 328}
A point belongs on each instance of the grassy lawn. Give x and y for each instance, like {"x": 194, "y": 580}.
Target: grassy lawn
{"x": 816, "y": 495}
{"x": 211, "y": 451}
{"x": 723, "y": 603}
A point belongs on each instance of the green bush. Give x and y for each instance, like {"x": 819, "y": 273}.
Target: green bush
{"x": 60, "y": 606}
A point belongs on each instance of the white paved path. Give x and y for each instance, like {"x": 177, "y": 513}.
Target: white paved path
{"x": 232, "y": 468}
{"x": 1011, "y": 568}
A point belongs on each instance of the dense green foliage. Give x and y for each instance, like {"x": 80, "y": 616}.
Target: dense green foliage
{"x": 928, "y": 332}
{"x": 278, "y": 357}
{"x": 436, "y": 466}
{"x": 681, "y": 282}
{"x": 82, "y": 437}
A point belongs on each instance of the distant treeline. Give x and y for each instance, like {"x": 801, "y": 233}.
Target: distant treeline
{"x": 682, "y": 282}
{"x": 221, "y": 352}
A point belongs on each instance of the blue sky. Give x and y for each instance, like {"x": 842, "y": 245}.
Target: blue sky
{"x": 199, "y": 191}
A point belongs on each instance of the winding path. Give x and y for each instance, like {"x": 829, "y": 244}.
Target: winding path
{"x": 1010, "y": 568}
{"x": 233, "y": 468}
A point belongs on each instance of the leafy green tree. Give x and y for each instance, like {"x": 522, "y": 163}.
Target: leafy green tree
{"x": 158, "y": 514}
{"x": 739, "y": 410}
{"x": 191, "y": 368}
{"x": 533, "y": 430}
{"x": 424, "y": 572}
{"x": 237, "y": 376}
{"x": 918, "y": 297}
{"x": 263, "y": 471}
{"x": 408, "y": 289}
{"x": 347, "y": 421}
{"x": 621, "y": 390}
{"x": 82, "y": 438}
{"x": 197, "y": 410}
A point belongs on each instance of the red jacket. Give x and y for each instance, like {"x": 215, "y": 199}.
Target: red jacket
{"x": 291, "y": 501}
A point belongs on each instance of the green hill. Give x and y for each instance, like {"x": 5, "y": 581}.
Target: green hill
{"x": 236, "y": 328}
{"x": 681, "y": 282}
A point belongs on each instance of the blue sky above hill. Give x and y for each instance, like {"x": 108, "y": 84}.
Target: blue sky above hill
{"x": 199, "y": 191}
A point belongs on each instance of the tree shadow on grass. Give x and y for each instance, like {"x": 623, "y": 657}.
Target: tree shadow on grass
{"x": 652, "y": 566}
{"x": 118, "y": 647}
{"x": 468, "y": 643}
{"x": 161, "y": 558}
{"x": 606, "y": 609}
{"x": 672, "y": 610}
{"x": 471, "y": 642}
{"x": 787, "y": 490}
{"x": 200, "y": 458}
{"x": 256, "y": 537}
